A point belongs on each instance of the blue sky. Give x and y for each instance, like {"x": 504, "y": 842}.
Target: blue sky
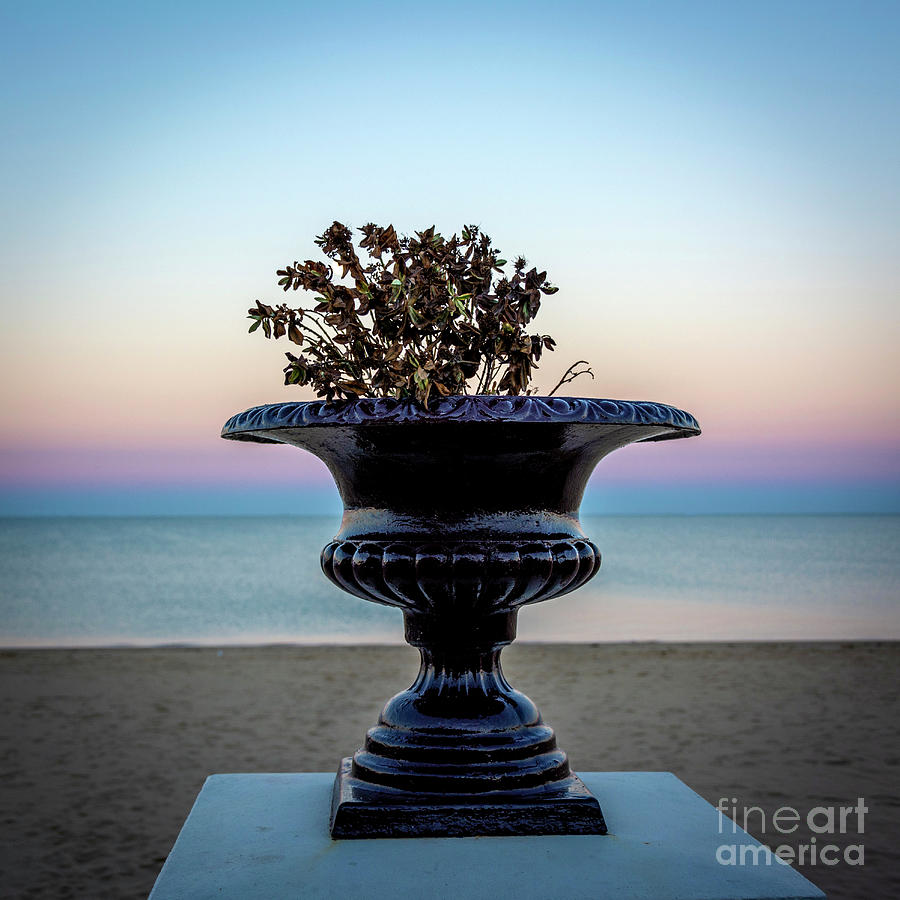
{"x": 715, "y": 187}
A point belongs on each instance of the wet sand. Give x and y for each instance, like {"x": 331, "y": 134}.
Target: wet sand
{"x": 103, "y": 751}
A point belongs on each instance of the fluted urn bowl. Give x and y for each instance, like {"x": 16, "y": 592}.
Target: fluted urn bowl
{"x": 459, "y": 514}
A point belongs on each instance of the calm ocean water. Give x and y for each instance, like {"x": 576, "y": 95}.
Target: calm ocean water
{"x": 98, "y": 581}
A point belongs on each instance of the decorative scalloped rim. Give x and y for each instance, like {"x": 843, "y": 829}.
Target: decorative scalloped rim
{"x": 465, "y": 408}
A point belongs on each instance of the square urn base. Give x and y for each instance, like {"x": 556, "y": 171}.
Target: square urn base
{"x": 363, "y": 810}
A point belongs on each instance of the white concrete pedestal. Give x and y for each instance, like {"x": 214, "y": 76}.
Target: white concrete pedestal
{"x": 266, "y": 836}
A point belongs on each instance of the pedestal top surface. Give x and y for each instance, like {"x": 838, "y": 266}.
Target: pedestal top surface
{"x": 266, "y": 836}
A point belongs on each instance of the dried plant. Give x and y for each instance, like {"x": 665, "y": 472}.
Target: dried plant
{"x": 413, "y": 317}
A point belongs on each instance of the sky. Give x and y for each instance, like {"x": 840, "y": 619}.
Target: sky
{"x": 715, "y": 188}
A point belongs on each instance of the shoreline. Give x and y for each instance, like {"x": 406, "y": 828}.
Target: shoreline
{"x": 379, "y": 642}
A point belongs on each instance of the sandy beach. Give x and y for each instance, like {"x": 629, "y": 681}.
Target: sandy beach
{"x": 103, "y": 751}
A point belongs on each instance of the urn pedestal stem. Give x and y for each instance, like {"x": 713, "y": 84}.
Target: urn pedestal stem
{"x": 461, "y": 751}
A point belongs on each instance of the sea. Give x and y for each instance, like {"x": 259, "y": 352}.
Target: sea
{"x": 208, "y": 581}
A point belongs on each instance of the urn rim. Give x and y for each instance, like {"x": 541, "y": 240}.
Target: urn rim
{"x": 467, "y": 408}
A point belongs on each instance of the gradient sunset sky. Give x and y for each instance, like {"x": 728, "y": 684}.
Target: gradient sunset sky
{"x": 714, "y": 187}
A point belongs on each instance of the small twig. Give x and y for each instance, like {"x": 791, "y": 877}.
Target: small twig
{"x": 487, "y": 374}
{"x": 571, "y": 375}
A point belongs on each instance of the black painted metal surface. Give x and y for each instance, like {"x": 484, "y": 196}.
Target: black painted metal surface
{"x": 459, "y": 515}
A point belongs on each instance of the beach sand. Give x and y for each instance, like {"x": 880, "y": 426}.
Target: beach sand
{"x": 104, "y": 751}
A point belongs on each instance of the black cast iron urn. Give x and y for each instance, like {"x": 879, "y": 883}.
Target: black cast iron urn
{"x": 460, "y": 514}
